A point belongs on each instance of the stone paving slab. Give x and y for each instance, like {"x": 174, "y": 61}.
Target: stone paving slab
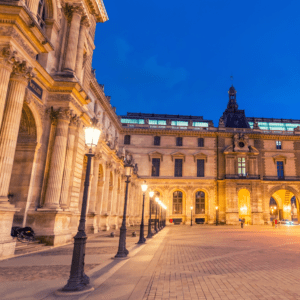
{"x": 181, "y": 262}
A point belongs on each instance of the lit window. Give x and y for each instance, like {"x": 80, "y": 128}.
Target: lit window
{"x": 157, "y": 122}
{"x": 278, "y": 144}
{"x": 180, "y": 123}
{"x": 177, "y": 202}
{"x": 200, "y": 203}
{"x": 133, "y": 121}
{"x": 242, "y": 166}
{"x": 200, "y": 124}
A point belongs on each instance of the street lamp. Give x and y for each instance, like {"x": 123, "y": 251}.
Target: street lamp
{"x": 78, "y": 280}
{"x": 142, "y": 239}
{"x": 155, "y": 228}
{"x": 122, "y": 251}
{"x": 191, "y": 215}
{"x": 217, "y": 215}
{"x": 151, "y": 194}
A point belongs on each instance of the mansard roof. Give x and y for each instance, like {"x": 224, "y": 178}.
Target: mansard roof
{"x": 164, "y": 117}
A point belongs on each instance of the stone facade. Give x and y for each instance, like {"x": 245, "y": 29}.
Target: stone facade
{"x": 48, "y": 93}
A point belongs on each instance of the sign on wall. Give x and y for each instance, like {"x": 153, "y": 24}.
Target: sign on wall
{"x": 36, "y": 89}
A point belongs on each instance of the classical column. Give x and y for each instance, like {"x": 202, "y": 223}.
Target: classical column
{"x": 11, "y": 122}
{"x": 57, "y": 160}
{"x": 68, "y": 162}
{"x": 6, "y": 67}
{"x": 33, "y": 7}
{"x": 80, "y": 47}
{"x": 94, "y": 184}
{"x": 106, "y": 188}
{"x": 74, "y": 16}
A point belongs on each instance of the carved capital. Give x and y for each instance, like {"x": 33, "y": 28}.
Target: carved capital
{"x": 58, "y": 114}
{"x": 108, "y": 165}
{"x": 8, "y": 56}
{"x": 85, "y": 22}
{"x": 74, "y": 121}
{"x": 69, "y": 10}
{"x": 22, "y": 71}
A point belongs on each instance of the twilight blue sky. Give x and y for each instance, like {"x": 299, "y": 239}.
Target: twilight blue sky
{"x": 176, "y": 57}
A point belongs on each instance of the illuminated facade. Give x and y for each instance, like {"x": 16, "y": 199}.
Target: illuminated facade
{"x": 236, "y": 167}
{"x": 48, "y": 92}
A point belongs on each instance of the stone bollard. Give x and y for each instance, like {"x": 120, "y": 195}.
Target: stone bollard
{"x": 134, "y": 234}
{"x": 112, "y": 234}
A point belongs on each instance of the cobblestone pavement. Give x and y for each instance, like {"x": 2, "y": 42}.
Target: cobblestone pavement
{"x": 180, "y": 262}
{"x": 257, "y": 262}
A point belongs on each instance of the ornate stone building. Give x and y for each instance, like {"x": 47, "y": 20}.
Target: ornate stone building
{"x": 246, "y": 168}
{"x": 48, "y": 93}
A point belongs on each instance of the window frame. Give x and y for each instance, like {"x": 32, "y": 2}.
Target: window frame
{"x": 179, "y": 141}
{"x": 156, "y": 140}
{"x": 157, "y": 173}
{"x": 280, "y": 169}
{"x": 198, "y": 169}
{"x": 176, "y": 170}
{"x": 178, "y": 204}
{"x": 127, "y": 139}
{"x": 200, "y": 142}
{"x": 241, "y": 166}
{"x": 200, "y": 203}
{"x": 41, "y": 14}
{"x": 278, "y": 145}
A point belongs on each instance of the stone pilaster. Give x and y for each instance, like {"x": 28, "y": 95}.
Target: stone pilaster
{"x": 80, "y": 48}
{"x": 7, "y": 57}
{"x": 64, "y": 196}
{"x": 11, "y": 122}
{"x": 57, "y": 160}
{"x": 73, "y": 14}
{"x": 33, "y": 7}
{"x": 104, "y": 209}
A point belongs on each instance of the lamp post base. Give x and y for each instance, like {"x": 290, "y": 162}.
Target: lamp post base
{"x": 86, "y": 289}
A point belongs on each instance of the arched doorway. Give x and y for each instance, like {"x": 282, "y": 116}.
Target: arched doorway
{"x": 23, "y": 166}
{"x": 244, "y": 205}
{"x": 286, "y": 207}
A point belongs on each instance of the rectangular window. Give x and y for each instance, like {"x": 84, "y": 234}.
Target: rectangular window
{"x": 157, "y": 141}
{"x": 155, "y": 166}
{"x": 200, "y": 167}
{"x": 278, "y": 144}
{"x": 178, "y": 168}
{"x": 200, "y": 142}
{"x": 179, "y": 141}
{"x": 242, "y": 166}
{"x": 280, "y": 172}
{"x": 127, "y": 140}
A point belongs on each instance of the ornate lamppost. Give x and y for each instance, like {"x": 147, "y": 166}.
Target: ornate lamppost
{"x": 78, "y": 280}
{"x": 191, "y": 215}
{"x": 151, "y": 194}
{"x": 161, "y": 216}
{"x": 217, "y": 215}
{"x": 155, "y": 228}
{"x": 142, "y": 239}
{"x": 122, "y": 251}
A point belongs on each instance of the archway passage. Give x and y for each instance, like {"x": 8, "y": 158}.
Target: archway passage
{"x": 244, "y": 205}
{"x": 283, "y": 205}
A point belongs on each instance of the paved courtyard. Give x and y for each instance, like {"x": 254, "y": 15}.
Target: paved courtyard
{"x": 181, "y": 262}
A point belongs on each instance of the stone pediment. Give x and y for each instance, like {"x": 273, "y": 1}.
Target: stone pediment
{"x": 177, "y": 154}
{"x": 155, "y": 154}
{"x": 250, "y": 150}
{"x": 200, "y": 155}
{"x": 279, "y": 158}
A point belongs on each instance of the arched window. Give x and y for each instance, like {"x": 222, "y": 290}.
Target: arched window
{"x": 200, "y": 202}
{"x": 41, "y": 14}
{"x": 177, "y": 202}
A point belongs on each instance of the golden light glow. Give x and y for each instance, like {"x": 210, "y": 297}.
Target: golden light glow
{"x": 144, "y": 187}
{"x": 151, "y": 194}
